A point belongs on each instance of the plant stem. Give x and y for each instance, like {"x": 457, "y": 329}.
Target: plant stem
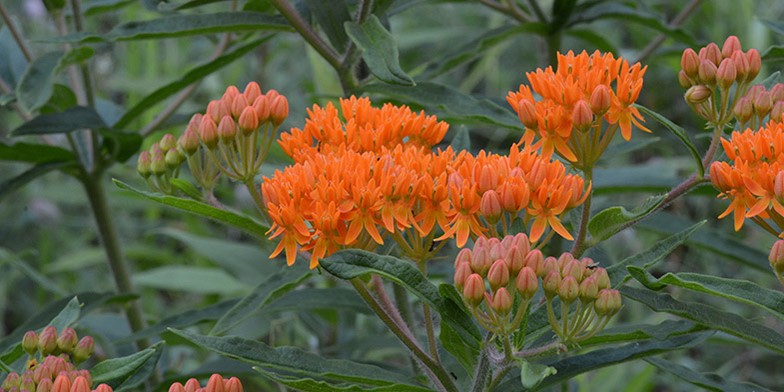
{"x": 554, "y": 345}
{"x": 401, "y": 299}
{"x": 108, "y": 234}
{"x": 499, "y": 376}
{"x": 15, "y": 33}
{"x": 307, "y": 33}
{"x": 676, "y": 21}
{"x": 436, "y": 373}
{"x": 87, "y": 79}
{"x": 482, "y": 370}
{"x": 431, "y": 335}
{"x": 579, "y": 244}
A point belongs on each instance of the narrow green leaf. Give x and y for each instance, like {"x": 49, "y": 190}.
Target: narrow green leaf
{"x": 379, "y": 50}
{"x": 610, "y": 221}
{"x": 709, "y": 316}
{"x": 115, "y": 372}
{"x": 68, "y": 316}
{"x": 37, "y": 277}
{"x": 679, "y": 132}
{"x": 72, "y": 119}
{"x": 185, "y": 25}
{"x": 274, "y": 286}
{"x": 37, "y": 83}
{"x": 311, "y": 385}
{"x": 96, "y": 7}
{"x": 235, "y": 219}
{"x": 628, "y": 333}
{"x": 733, "y": 289}
{"x": 187, "y": 188}
{"x": 142, "y": 373}
{"x": 308, "y": 299}
{"x": 14, "y": 183}
{"x": 454, "y": 104}
{"x": 34, "y": 153}
{"x": 450, "y": 339}
{"x": 462, "y": 139}
{"x": 572, "y": 366}
{"x": 630, "y": 14}
{"x": 331, "y": 16}
{"x": 121, "y": 146}
{"x": 189, "y": 77}
{"x": 773, "y": 54}
{"x": 293, "y": 361}
{"x": 182, "y": 320}
{"x": 349, "y": 264}
{"x": 709, "y": 381}
{"x": 775, "y": 25}
{"x": 190, "y": 279}
{"x": 599, "y": 41}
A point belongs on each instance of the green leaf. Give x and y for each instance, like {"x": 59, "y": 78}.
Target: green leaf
{"x": 34, "y": 153}
{"x": 462, "y": 140}
{"x": 308, "y": 299}
{"x": 775, "y": 25}
{"x": 450, "y": 339}
{"x": 184, "y": 25}
{"x": 628, "y": 333}
{"x": 774, "y": 53}
{"x": 187, "y": 188}
{"x": 37, "y": 83}
{"x": 190, "y": 279}
{"x": 610, "y": 221}
{"x": 599, "y": 41}
{"x": 194, "y": 75}
{"x": 331, "y": 16}
{"x": 185, "y": 319}
{"x": 273, "y": 287}
{"x": 235, "y": 219}
{"x": 349, "y": 264}
{"x": 629, "y": 14}
{"x": 96, "y": 7}
{"x": 121, "y": 146}
{"x": 709, "y": 381}
{"x": 733, "y": 289}
{"x": 142, "y": 373}
{"x": 570, "y": 367}
{"x": 311, "y": 385}
{"x": 454, "y": 104}
{"x": 68, "y": 316}
{"x": 379, "y": 50}
{"x": 532, "y": 374}
{"x": 37, "y": 277}
{"x": 709, "y": 316}
{"x": 14, "y": 183}
{"x": 72, "y": 119}
{"x": 117, "y": 371}
{"x": 293, "y": 361}
{"x": 679, "y": 132}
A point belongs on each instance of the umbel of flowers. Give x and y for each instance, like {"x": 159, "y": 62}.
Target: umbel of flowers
{"x": 373, "y": 174}
{"x": 583, "y": 104}
{"x": 498, "y": 280}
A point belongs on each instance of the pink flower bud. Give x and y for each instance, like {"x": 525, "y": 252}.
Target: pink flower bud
{"x": 600, "y": 101}
{"x": 763, "y": 104}
{"x": 44, "y": 385}
{"x": 208, "y": 132}
{"x": 80, "y": 385}
{"x": 249, "y": 121}
{"x": 726, "y": 74}
{"x": 551, "y": 283}
{"x": 103, "y": 388}
{"x": 589, "y": 289}
{"x": 527, "y": 283}
{"x": 481, "y": 261}
{"x": 189, "y": 141}
{"x": 238, "y": 105}
{"x": 462, "y": 272}
{"x": 743, "y": 109}
{"x": 474, "y": 290}
{"x": 30, "y": 342}
{"x": 84, "y": 349}
{"x": 62, "y": 384}
{"x": 515, "y": 260}
{"x": 501, "y": 301}
{"x": 252, "y": 91}
{"x": 498, "y": 275}
{"x": 607, "y": 303}
{"x": 690, "y": 62}
{"x": 279, "y": 110}
{"x": 167, "y": 142}
{"x": 215, "y": 383}
{"x": 233, "y": 385}
{"x": 777, "y": 112}
{"x": 47, "y": 341}
{"x": 550, "y": 263}
{"x": 582, "y": 116}
{"x": 158, "y": 163}
{"x": 192, "y": 385}
{"x": 143, "y": 165}
{"x": 707, "y": 72}
{"x": 741, "y": 65}
{"x": 526, "y": 111}
{"x": 711, "y": 53}
{"x": 490, "y": 206}
{"x": 535, "y": 260}
{"x": 262, "y": 107}
{"x": 602, "y": 278}
{"x": 568, "y": 290}
{"x": 776, "y": 256}
{"x": 573, "y": 268}
{"x": 464, "y": 256}
{"x": 697, "y": 94}
{"x": 68, "y": 339}
{"x": 42, "y": 372}
{"x": 777, "y": 92}
{"x": 231, "y": 92}
{"x": 731, "y": 45}
{"x": 28, "y": 384}
{"x": 684, "y": 80}
{"x": 176, "y": 387}
{"x": 227, "y": 129}
{"x": 755, "y": 63}
{"x": 11, "y": 380}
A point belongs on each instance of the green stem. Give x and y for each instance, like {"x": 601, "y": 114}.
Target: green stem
{"x": 96, "y": 194}
{"x": 498, "y": 377}
{"x": 554, "y": 345}
{"x": 482, "y": 370}
{"x": 579, "y": 244}
{"x": 429, "y": 327}
{"x": 401, "y": 299}
{"x": 15, "y": 33}
{"x": 307, "y": 33}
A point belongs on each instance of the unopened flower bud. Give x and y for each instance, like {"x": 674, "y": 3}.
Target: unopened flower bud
{"x": 279, "y": 110}
{"x": 45, "y": 385}
{"x": 248, "y": 121}
{"x": 27, "y": 384}
{"x": 252, "y": 91}
{"x": 30, "y": 342}
{"x": 233, "y": 385}
{"x": 526, "y": 111}
{"x": 462, "y": 272}
{"x": 743, "y": 110}
{"x": 84, "y": 349}
{"x": 515, "y": 260}
{"x": 231, "y": 92}
{"x": 582, "y": 116}
{"x": 777, "y": 92}
{"x": 763, "y": 104}
{"x": 683, "y": 80}
{"x": 227, "y": 129}
{"x": 527, "y": 283}
{"x": 167, "y": 142}
{"x": 158, "y": 163}
{"x": 726, "y": 74}
{"x": 464, "y": 256}
{"x": 755, "y": 63}
{"x": 535, "y": 260}
{"x": 189, "y": 142}
{"x": 568, "y": 290}
{"x": 192, "y": 385}
{"x": 490, "y": 206}
{"x": 481, "y": 261}
{"x": 707, "y": 72}
{"x": 602, "y": 278}
{"x": 697, "y": 94}
{"x": 103, "y": 388}
{"x": 215, "y": 383}
{"x": 690, "y": 62}
{"x": 600, "y": 101}
{"x": 498, "y": 275}
{"x": 474, "y": 290}
{"x": 608, "y": 302}
{"x": 731, "y": 44}
{"x": 80, "y": 384}
{"x": 550, "y": 283}
{"x": 501, "y": 301}
{"x": 174, "y": 158}
{"x": 712, "y": 53}
{"x": 47, "y": 340}
{"x": 272, "y": 94}
{"x": 208, "y": 132}
{"x": 177, "y": 387}
{"x": 262, "y": 107}
{"x": 550, "y": 263}
{"x": 144, "y": 163}
{"x": 776, "y": 257}
{"x": 67, "y": 339}
{"x": 777, "y": 112}
{"x": 238, "y": 105}
{"x": 62, "y": 383}
{"x": 11, "y": 380}
{"x": 589, "y": 289}
{"x": 741, "y": 65}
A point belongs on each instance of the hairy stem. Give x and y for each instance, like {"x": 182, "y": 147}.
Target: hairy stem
{"x": 579, "y": 244}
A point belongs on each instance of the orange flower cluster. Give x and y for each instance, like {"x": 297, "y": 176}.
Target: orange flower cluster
{"x": 353, "y": 187}
{"x": 578, "y": 96}
{"x": 755, "y": 179}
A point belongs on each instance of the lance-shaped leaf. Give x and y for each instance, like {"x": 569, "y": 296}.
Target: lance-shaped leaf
{"x": 72, "y": 119}
{"x": 117, "y": 372}
{"x": 379, "y": 50}
{"x": 331, "y": 16}
{"x": 37, "y": 83}
{"x": 709, "y": 381}
{"x": 14, "y": 183}
{"x": 610, "y": 221}
{"x": 34, "y": 153}
{"x": 680, "y": 133}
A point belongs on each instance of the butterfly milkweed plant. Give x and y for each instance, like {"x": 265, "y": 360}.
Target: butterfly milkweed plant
{"x": 386, "y": 195}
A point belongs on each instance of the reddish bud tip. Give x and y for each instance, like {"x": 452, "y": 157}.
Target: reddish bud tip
{"x": 158, "y": 163}
{"x": 62, "y": 383}
{"x": 208, "y": 132}
{"x": 279, "y": 110}
{"x": 233, "y": 385}
{"x": 248, "y": 121}
{"x": 262, "y": 107}
{"x": 45, "y": 385}
{"x": 569, "y": 289}
{"x": 67, "y": 340}
{"x": 776, "y": 257}
{"x": 474, "y": 290}
{"x": 490, "y": 206}
{"x": 215, "y": 384}
{"x": 608, "y": 302}
{"x": 189, "y": 141}
{"x": 252, "y": 91}
{"x": 726, "y": 74}
{"x": 103, "y": 388}
{"x": 600, "y": 101}
{"x": 47, "y": 341}
{"x": 755, "y": 63}
{"x": 462, "y": 272}
{"x": 502, "y": 301}
{"x": 227, "y": 129}
{"x": 527, "y": 283}
{"x": 707, "y": 72}
{"x": 80, "y": 384}
{"x": 498, "y": 275}
{"x": 177, "y": 387}
{"x": 192, "y": 385}
{"x": 167, "y": 142}
{"x": 231, "y": 92}
{"x": 690, "y": 62}
{"x": 582, "y": 116}
{"x": 743, "y": 109}
{"x": 762, "y": 104}
{"x": 551, "y": 283}
{"x": 731, "y": 45}
{"x": 84, "y": 349}
{"x": 238, "y": 104}
{"x": 711, "y": 53}
{"x": 30, "y": 340}
{"x": 589, "y": 289}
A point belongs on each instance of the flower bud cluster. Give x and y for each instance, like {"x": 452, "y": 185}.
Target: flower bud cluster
{"x": 231, "y": 137}
{"x": 216, "y": 383}
{"x": 710, "y": 75}
{"x": 160, "y": 163}
{"x": 52, "y": 364}
{"x": 495, "y": 274}
{"x": 759, "y": 103}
